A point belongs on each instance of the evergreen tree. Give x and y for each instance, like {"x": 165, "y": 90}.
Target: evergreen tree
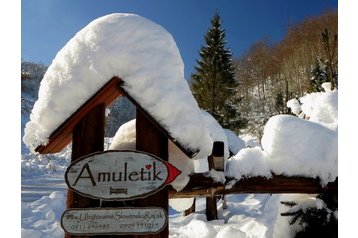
{"x": 213, "y": 83}
{"x": 280, "y": 102}
{"x": 319, "y": 76}
{"x": 121, "y": 111}
{"x": 331, "y": 55}
{"x": 316, "y": 222}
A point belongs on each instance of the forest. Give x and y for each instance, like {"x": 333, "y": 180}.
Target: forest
{"x": 269, "y": 74}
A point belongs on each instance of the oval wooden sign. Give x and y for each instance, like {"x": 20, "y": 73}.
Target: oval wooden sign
{"x": 119, "y": 175}
{"x": 114, "y": 221}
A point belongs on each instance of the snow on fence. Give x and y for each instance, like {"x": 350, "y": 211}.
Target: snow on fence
{"x": 212, "y": 185}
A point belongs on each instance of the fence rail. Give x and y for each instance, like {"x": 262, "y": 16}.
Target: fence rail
{"x": 202, "y": 185}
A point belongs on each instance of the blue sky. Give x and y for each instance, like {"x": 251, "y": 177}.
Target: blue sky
{"x": 46, "y": 25}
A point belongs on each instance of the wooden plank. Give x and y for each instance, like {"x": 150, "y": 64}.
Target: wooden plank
{"x": 88, "y": 137}
{"x": 191, "y": 209}
{"x": 201, "y": 185}
{"x": 151, "y": 140}
{"x": 62, "y": 136}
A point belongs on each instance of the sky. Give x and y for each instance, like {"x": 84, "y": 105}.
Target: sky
{"x": 47, "y": 25}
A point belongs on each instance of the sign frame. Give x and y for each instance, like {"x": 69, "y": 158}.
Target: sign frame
{"x": 114, "y": 209}
{"x": 168, "y": 179}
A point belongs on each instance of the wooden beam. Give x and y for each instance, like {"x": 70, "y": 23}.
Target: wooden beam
{"x": 201, "y": 185}
{"x": 215, "y": 161}
{"x": 62, "y": 136}
{"x": 151, "y": 140}
{"x": 88, "y": 137}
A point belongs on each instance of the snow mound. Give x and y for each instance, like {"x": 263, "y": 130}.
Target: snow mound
{"x": 300, "y": 147}
{"x": 249, "y": 162}
{"x": 181, "y": 204}
{"x": 320, "y": 107}
{"x": 231, "y": 232}
{"x": 125, "y": 137}
{"x": 144, "y": 55}
{"x": 291, "y": 146}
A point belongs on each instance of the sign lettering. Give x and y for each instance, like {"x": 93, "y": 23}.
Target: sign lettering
{"x": 119, "y": 175}
{"x": 116, "y": 221}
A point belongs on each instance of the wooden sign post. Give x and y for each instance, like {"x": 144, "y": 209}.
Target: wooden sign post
{"x": 215, "y": 161}
{"x": 151, "y": 140}
{"x": 85, "y": 128}
{"x": 88, "y": 137}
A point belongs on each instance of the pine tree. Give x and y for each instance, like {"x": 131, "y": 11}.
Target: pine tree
{"x": 213, "y": 83}
{"x": 319, "y": 76}
{"x": 316, "y": 222}
{"x": 280, "y": 102}
{"x": 331, "y": 55}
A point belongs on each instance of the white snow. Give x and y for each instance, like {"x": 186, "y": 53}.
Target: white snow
{"x": 217, "y": 133}
{"x": 291, "y": 146}
{"x": 144, "y": 55}
{"x": 320, "y": 107}
{"x": 295, "y": 106}
{"x": 181, "y": 204}
{"x": 125, "y": 137}
{"x": 41, "y": 218}
{"x": 217, "y": 176}
{"x": 246, "y": 216}
{"x": 235, "y": 143}
{"x": 248, "y": 162}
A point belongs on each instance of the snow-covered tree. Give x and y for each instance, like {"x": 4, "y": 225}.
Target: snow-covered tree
{"x": 319, "y": 76}
{"x": 213, "y": 83}
{"x": 31, "y": 76}
{"x": 331, "y": 54}
{"x": 121, "y": 112}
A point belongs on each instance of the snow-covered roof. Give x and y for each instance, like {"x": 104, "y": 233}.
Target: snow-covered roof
{"x": 144, "y": 55}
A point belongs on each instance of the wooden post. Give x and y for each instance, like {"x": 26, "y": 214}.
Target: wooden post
{"x": 151, "y": 140}
{"x": 88, "y": 137}
{"x": 215, "y": 161}
{"x": 190, "y": 210}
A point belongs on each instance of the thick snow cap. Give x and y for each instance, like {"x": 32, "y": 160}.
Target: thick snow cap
{"x": 144, "y": 55}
